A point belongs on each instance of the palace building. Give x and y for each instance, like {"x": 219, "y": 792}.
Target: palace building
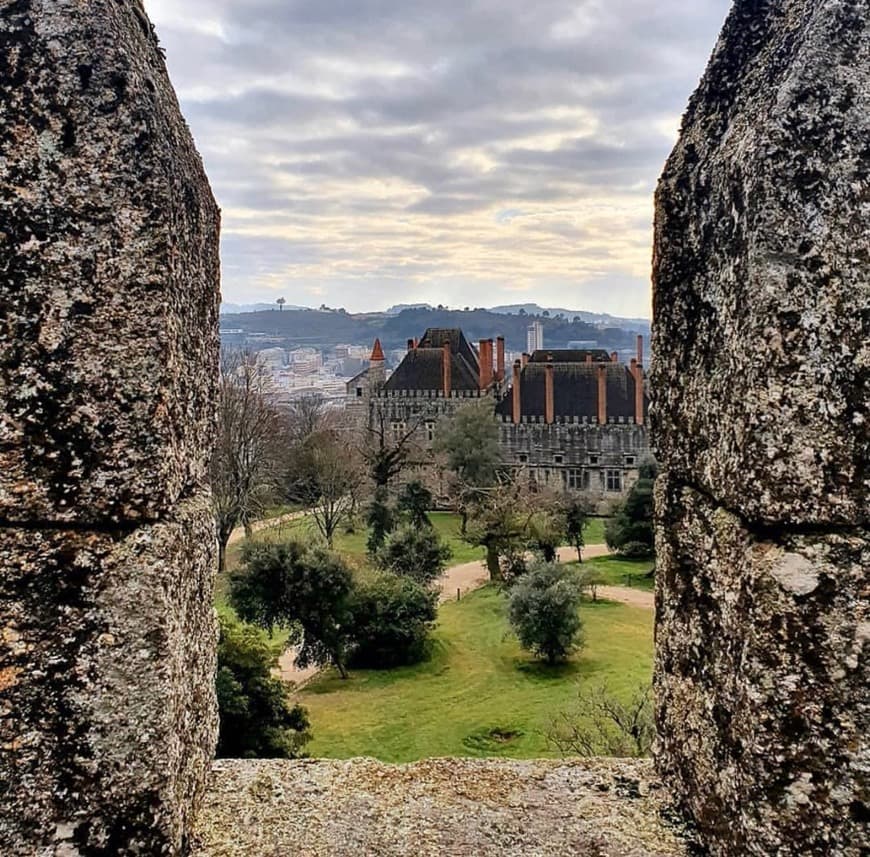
{"x": 570, "y": 419}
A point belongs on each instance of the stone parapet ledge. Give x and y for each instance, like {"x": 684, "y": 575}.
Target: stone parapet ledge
{"x": 474, "y": 807}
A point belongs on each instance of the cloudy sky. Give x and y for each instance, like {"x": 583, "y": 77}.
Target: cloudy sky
{"x": 465, "y": 152}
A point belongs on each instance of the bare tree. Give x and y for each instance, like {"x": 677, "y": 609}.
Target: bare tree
{"x": 306, "y": 415}
{"x": 336, "y": 478}
{"x": 600, "y": 724}
{"x": 388, "y": 448}
{"x": 246, "y": 452}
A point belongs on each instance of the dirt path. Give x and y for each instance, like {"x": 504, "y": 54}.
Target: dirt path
{"x": 239, "y": 532}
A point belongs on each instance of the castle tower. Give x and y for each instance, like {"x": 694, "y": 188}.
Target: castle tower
{"x": 377, "y": 366}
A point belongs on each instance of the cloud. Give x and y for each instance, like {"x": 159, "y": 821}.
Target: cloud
{"x": 374, "y": 151}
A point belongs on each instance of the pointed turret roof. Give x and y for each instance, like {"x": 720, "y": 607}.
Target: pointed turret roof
{"x": 377, "y": 351}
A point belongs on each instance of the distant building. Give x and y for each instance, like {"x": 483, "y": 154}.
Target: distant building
{"x": 569, "y": 419}
{"x": 577, "y": 420}
{"x": 534, "y": 337}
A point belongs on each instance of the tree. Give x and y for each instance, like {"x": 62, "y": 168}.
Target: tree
{"x": 414, "y": 502}
{"x": 630, "y": 531}
{"x": 306, "y": 591}
{"x": 246, "y": 451}
{"x": 575, "y": 510}
{"x": 498, "y": 521}
{"x": 546, "y": 526}
{"x": 380, "y": 520}
{"x": 544, "y": 611}
{"x": 392, "y": 619}
{"x": 281, "y": 302}
{"x": 386, "y": 450}
{"x": 600, "y": 724}
{"x": 418, "y": 554}
{"x": 256, "y": 720}
{"x": 590, "y": 579}
{"x": 469, "y": 439}
{"x": 337, "y": 480}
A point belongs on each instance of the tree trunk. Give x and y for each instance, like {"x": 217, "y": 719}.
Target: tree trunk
{"x": 342, "y": 670}
{"x": 579, "y": 552}
{"x": 222, "y": 554}
{"x": 492, "y": 563}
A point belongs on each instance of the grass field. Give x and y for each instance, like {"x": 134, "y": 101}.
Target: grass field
{"x": 617, "y": 571}
{"x": 479, "y": 694}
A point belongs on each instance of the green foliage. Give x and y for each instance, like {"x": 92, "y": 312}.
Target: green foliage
{"x": 392, "y": 618}
{"x": 380, "y": 520}
{"x": 305, "y": 591}
{"x": 543, "y": 611}
{"x": 630, "y": 530}
{"x": 476, "y": 679}
{"x": 256, "y": 720}
{"x": 576, "y": 515}
{"x": 546, "y": 530}
{"x": 469, "y": 439}
{"x": 498, "y": 520}
{"x": 414, "y": 502}
{"x": 418, "y": 554}
{"x": 590, "y": 578}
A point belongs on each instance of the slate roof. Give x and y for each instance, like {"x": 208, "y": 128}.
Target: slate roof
{"x": 575, "y": 391}
{"x": 569, "y": 355}
{"x": 420, "y": 368}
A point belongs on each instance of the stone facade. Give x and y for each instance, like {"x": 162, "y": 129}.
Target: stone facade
{"x": 108, "y": 369}
{"x": 761, "y": 423}
{"x": 576, "y": 443}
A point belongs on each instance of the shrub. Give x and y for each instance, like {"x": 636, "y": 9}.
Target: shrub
{"x": 256, "y": 720}
{"x": 543, "y": 611}
{"x": 392, "y": 618}
{"x": 601, "y": 724}
{"x": 306, "y": 591}
{"x": 631, "y": 528}
{"x": 414, "y": 502}
{"x": 380, "y": 521}
{"x": 415, "y": 553}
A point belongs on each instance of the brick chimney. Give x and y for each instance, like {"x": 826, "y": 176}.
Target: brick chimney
{"x": 588, "y": 359}
{"x": 517, "y": 411}
{"x": 549, "y": 403}
{"x": 637, "y": 374}
{"x": 614, "y": 357}
{"x": 499, "y": 351}
{"x": 485, "y": 363}
{"x": 446, "y": 367}
{"x": 640, "y": 350}
{"x": 602, "y": 394}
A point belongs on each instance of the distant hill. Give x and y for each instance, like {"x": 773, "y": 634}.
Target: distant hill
{"x": 231, "y": 309}
{"x": 600, "y": 318}
{"x": 324, "y": 329}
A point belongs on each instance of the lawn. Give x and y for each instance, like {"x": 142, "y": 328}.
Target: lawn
{"x": 618, "y": 571}
{"x": 479, "y": 694}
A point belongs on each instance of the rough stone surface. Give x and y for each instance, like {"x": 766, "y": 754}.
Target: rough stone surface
{"x": 762, "y": 254}
{"x": 485, "y": 808}
{"x": 108, "y": 266}
{"x": 108, "y": 375}
{"x": 107, "y": 661}
{"x": 763, "y": 680}
{"x": 761, "y": 386}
